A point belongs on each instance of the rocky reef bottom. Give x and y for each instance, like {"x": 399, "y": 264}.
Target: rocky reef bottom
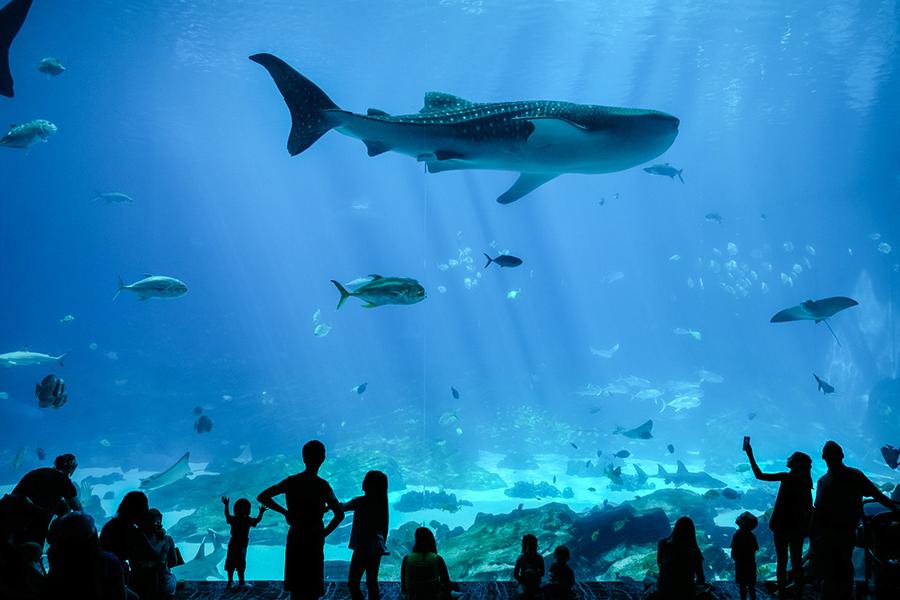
{"x": 476, "y": 590}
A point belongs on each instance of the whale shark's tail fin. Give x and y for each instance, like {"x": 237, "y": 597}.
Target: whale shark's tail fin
{"x": 11, "y": 18}
{"x": 304, "y": 99}
{"x": 680, "y": 178}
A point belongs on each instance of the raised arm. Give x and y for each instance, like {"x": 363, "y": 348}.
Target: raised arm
{"x": 259, "y": 515}
{"x": 225, "y": 503}
{"x": 265, "y": 498}
{"x": 335, "y": 507}
{"x": 757, "y": 472}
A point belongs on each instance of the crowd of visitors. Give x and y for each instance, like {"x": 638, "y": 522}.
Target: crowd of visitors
{"x": 132, "y": 556}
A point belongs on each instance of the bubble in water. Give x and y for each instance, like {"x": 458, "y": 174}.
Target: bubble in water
{"x": 788, "y": 246}
{"x": 441, "y": 289}
{"x": 884, "y": 248}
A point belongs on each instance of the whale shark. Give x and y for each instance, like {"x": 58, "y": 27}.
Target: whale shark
{"x": 11, "y": 18}
{"x": 539, "y": 139}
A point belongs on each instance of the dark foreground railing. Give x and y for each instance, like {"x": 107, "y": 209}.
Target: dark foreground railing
{"x": 477, "y": 590}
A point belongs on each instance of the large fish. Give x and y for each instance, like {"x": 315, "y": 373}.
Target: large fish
{"x": 154, "y": 286}
{"x": 24, "y": 134}
{"x": 539, "y": 139}
{"x": 179, "y": 470}
{"x": 203, "y": 566}
{"x": 682, "y": 476}
{"x": 11, "y": 18}
{"x": 25, "y": 357}
{"x": 384, "y": 290}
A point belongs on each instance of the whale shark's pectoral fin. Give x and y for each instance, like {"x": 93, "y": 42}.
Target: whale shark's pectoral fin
{"x": 525, "y": 184}
{"x": 549, "y": 131}
{"x": 11, "y": 18}
{"x": 439, "y": 155}
{"x": 375, "y": 148}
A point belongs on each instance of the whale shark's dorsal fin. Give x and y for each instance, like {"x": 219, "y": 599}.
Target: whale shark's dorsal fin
{"x": 443, "y": 101}
{"x": 682, "y": 470}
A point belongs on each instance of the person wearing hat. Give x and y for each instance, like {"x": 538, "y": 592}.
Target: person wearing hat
{"x": 836, "y": 516}
{"x": 790, "y": 516}
{"x": 51, "y": 490}
{"x": 743, "y": 550}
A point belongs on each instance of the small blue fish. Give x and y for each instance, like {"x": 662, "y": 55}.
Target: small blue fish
{"x": 361, "y": 388}
{"x": 454, "y": 392}
{"x": 503, "y": 260}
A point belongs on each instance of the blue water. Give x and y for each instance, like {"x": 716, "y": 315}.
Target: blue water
{"x": 786, "y": 112}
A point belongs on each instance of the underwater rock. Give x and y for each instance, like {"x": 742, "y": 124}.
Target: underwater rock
{"x": 519, "y": 462}
{"x": 525, "y": 489}
{"x": 883, "y": 410}
{"x": 414, "y": 501}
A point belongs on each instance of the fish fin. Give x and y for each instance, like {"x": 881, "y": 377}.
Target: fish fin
{"x": 37, "y": 390}
{"x": 681, "y": 468}
{"x": 307, "y": 103}
{"x": 375, "y": 276}
{"x": 374, "y": 112}
{"x": 447, "y": 155}
{"x": 489, "y": 260}
{"x": 370, "y": 305}
{"x": 435, "y": 101}
{"x": 551, "y": 130}
{"x": 374, "y": 148}
{"x": 679, "y": 176}
{"x": 525, "y": 184}
{"x": 63, "y": 357}
{"x": 661, "y": 472}
{"x": 119, "y": 289}
{"x": 436, "y": 166}
{"x": 344, "y": 293}
{"x": 11, "y": 18}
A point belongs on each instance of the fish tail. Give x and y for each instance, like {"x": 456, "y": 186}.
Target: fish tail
{"x": 680, "y": 177}
{"x": 344, "y": 293}
{"x": 119, "y": 289}
{"x": 304, "y": 99}
{"x": 489, "y": 260}
{"x": 63, "y": 357}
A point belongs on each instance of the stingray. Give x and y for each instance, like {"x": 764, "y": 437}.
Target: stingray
{"x": 177, "y": 471}
{"x": 641, "y": 432}
{"x": 815, "y": 310}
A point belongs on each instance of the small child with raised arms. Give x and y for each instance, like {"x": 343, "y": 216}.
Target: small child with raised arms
{"x": 241, "y": 522}
{"x": 743, "y": 551}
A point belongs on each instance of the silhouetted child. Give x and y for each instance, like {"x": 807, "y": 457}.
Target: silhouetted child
{"x": 743, "y": 551}
{"x": 368, "y": 534}
{"x": 562, "y": 578}
{"x": 529, "y": 569}
{"x": 241, "y": 522}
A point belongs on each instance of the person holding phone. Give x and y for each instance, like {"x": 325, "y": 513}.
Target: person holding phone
{"x": 791, "y": 516}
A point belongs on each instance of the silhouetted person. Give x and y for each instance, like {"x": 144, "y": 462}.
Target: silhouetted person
{"x": 562, "y": 578}
{"x": 743, "y": 551}
{"x": 423, "y": 573}
{"x": 122, "y": 535}
{"x": 21, "y": 572}
{"x": 78, "y": 568}
{"x": 151, "y": 576}
{"x": 680, "y": 562}
{"x": 52, "y": 491}
{"x": 529, "y": 568}
{"x": 368, "y": 534}
{"x": 240, "y": 522}
{"x": 836, "y": 516}
{"x": 308, "y": 497}
{"x": 790, "y": 516}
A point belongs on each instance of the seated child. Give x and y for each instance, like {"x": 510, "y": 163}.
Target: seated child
{"x": 562, "y": 578}
{"x": 529, "y": 569}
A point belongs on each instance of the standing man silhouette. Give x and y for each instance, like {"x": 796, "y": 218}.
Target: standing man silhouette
{"x": 308, "y": 497}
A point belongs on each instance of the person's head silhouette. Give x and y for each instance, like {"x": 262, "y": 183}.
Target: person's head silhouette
{"x": 133, "y": 507}
{"x": 832, "y": 454}
{"x": 684, "y": 533}
{"x": 425, "y": 541}
{"x": 65, "y": 463}
{"x": 375, "y": 484}
{"x": 529, "y": 544}
{"x": 313, "y": 454}
{"x": 242, "y": 507}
